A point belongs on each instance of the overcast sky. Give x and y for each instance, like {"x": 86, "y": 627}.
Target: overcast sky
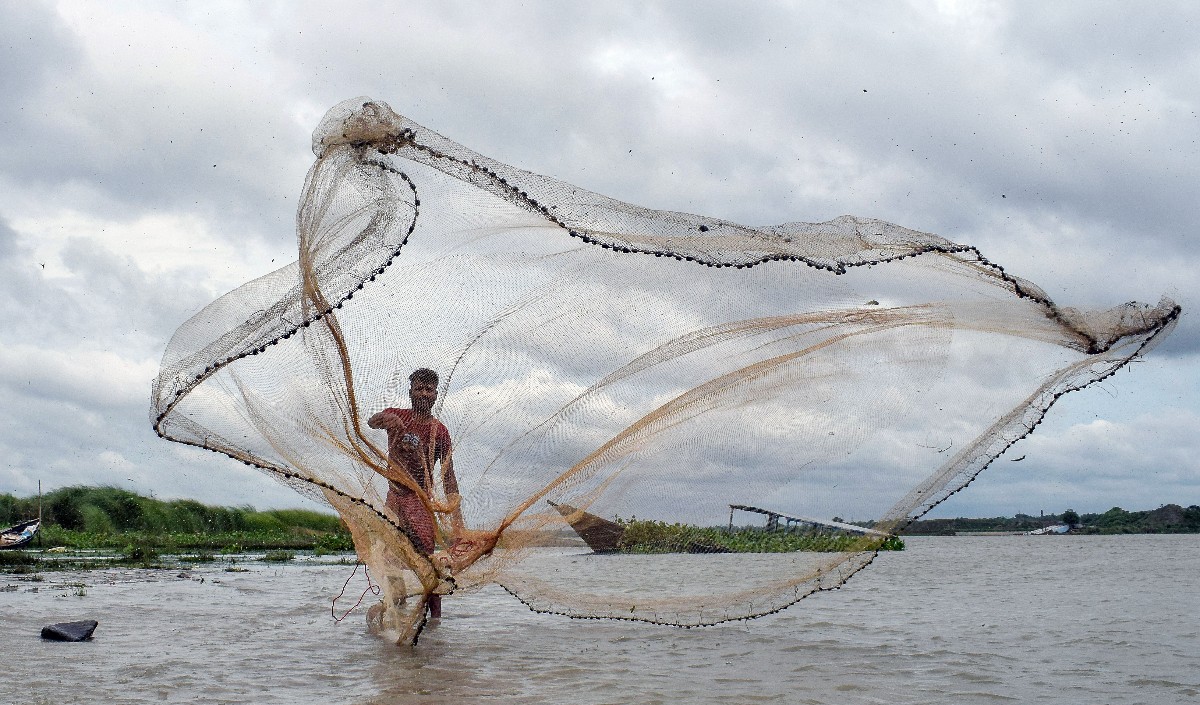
{"x": 153, "y": 155}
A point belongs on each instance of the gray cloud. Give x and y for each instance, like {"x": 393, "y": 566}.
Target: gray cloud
{"x": 113, "y": 127}
{"x": 1091, "y": 467}
{"x": 1060, "y": 139}
{"x": 78, "y": 350}
{"x": 34, "y": 46}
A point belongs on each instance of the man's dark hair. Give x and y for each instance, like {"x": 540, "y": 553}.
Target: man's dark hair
{"x": 424, "y": 375}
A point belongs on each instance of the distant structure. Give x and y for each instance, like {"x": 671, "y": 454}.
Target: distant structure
{"x": 1056, "y": 529}
{"x": 774, "y": 517}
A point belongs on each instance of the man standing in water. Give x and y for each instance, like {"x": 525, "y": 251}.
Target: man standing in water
{"x": 416, "y": 442}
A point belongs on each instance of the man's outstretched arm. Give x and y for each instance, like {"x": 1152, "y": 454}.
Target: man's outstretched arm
{"x": 384, "y": 419}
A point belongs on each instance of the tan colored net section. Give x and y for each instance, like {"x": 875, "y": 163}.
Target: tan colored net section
{"x": 623, "y": 362}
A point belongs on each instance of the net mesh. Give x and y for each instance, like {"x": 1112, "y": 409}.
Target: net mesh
{"x": 639, "y": 369}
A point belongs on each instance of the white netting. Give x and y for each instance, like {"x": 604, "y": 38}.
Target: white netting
{"x": 618, "y": 360}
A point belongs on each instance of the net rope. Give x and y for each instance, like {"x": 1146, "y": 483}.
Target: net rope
{"x": 621, "y": 362}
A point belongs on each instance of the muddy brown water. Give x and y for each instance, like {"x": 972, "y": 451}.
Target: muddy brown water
{"x": 950, "y": 620}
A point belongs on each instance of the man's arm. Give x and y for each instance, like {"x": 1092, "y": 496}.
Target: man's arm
{"x": 450, "y": 482}
{"x": 384, "y": 419}
{"x": 388, "y": 420}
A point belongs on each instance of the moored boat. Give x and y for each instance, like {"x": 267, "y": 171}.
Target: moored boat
{"x": 20, "y": 534}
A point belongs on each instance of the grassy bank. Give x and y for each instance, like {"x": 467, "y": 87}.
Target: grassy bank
{"x": 643, "y": 536}
{"x": 110, "y": 518}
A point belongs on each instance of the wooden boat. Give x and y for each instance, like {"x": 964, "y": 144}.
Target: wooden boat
{"x": 601, "y": 535}
{"x": 604, "y": 536}
{"x": 19, "y": 535}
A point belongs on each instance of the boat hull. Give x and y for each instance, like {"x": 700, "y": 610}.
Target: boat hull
{"x": 19, "y": 535}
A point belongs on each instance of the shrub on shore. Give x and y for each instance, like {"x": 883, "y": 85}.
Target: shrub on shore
{"x": 113, "y": 518}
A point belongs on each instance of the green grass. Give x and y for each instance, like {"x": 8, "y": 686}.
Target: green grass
{"x": 172, "y": 542}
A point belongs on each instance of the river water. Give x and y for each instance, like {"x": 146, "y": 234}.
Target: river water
{"x": 960, "y": 620}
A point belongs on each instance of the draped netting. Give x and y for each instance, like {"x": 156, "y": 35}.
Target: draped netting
{"x": 599, "y": 359}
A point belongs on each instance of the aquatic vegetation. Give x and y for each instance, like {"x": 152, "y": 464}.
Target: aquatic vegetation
{"x": 22, "y": 558}
{"x": 645, "y": 536}
{"x": 333, "y": 543}
{"x": 140, "y": 552}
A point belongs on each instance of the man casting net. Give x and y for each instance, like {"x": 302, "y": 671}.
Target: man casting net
{"x": 598, "y": 359}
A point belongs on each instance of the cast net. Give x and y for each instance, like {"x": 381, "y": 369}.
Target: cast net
{"x": 631, "y": 372}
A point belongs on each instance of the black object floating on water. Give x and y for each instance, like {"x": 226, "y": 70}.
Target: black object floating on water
{"x": 70, "y": 631}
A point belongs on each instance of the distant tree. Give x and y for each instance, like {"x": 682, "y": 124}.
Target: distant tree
{"x": 1191, "y": 517}
{"x": 1070, "y": 518}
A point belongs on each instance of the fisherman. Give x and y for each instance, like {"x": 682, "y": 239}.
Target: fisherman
{"x": 417, "y": 441}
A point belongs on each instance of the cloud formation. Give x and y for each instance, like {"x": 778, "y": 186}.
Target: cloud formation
{"x": 154, "y": 156}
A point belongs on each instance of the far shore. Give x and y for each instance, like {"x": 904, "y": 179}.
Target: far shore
{"x": 1167, "y": 519}
{"x": 85, "y": 528}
